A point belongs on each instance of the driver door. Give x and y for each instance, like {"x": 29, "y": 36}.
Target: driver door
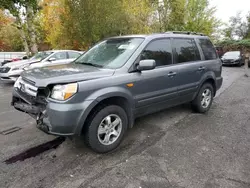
{"x": 156, "y": 89}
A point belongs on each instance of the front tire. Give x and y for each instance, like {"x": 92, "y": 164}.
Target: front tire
{"x": 204, "y": 99}
{"x": 106, "y": 129}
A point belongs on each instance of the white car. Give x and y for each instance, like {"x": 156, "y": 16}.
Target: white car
{"x": 11, "y": 71}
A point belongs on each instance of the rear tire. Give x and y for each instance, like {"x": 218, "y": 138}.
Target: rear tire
{"x": 204, "y": 99}
{"x": 106, "y": 129}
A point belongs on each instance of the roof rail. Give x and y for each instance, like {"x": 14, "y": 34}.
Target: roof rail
{"x": 185, "y": 32}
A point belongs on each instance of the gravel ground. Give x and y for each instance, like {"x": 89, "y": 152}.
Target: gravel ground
{"x": 174, "y": 148}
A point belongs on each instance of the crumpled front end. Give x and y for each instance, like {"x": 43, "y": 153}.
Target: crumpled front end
{"x": 52, "y": 117}
{"x": 27, "y": 99}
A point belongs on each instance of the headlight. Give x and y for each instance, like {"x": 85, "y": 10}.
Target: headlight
{"x": 64, "y": 92}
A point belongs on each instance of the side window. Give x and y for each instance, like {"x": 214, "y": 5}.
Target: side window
{"x": 159, "y": 50}
{"x": 207, "y": 49}
{"x": 186, "y": 50}
{"x": 59, "y": 55}
{"x": 73, "y": 55}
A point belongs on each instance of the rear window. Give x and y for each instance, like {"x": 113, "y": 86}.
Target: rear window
{"x": 73, "y": 55}
{"x": 186, "y": 50}
{"x": 207, "y": 49}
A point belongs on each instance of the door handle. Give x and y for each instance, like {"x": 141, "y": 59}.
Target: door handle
{"x": 171, "y": 74}
{"x": 201, "y": 68}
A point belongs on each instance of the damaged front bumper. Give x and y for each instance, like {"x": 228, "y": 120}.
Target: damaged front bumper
{"x": 52, "y": 118}
{"x": 27, "y": 104}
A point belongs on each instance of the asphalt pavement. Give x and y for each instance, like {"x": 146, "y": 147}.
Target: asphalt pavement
{"x": 174, "y": 148}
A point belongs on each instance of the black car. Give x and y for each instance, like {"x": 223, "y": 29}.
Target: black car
{"x": 232, "y": 58}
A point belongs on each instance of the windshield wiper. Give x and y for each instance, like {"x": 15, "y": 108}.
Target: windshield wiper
{"x": 91, "y": 64}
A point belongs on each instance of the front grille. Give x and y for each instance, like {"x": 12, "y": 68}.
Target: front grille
{"x": 228, "y": 61}
{"x": 4, "y": 69}
{"x": 26, "y": 87}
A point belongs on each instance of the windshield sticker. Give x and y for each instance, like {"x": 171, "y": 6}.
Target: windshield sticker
{"x": 126, "y": 46}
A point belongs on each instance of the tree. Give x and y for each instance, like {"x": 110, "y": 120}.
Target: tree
{"x": 199, "y": 17}
{"x": 78, "y": 24}
{"x": 81, "y": 23}
{"x": 24, "y": 12}
{"x": 52, "y": 15}
{"x": 187, "y": 15}
{"x": 9, "y": 35}
{"x": 247, "y": 34}
{"x": 137, "y": 16}
{"x": 238, "y": 27}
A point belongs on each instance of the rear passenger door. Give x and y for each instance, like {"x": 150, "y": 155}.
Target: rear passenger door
{"x": 190, "y": 67}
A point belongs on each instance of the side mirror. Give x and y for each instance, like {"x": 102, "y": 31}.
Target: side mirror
{"x": 147, "y": 64}
{"x": 52, "y": 59}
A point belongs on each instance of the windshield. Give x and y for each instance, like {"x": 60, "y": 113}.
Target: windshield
{"x": 232, "y": 54}
{"x": 112, "y": 53}
{"x": 41, "y": 55}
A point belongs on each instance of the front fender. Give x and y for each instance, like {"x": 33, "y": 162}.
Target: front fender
{"x": 95, "y": 98}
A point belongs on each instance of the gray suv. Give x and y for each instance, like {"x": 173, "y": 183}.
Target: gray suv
{"x": 101, "y": 93}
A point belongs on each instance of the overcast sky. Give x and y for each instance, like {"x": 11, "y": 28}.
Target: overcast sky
{"x": 228, "y": 8}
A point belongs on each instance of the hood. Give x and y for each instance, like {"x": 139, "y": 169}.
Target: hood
{"x": 65, "y": 74}
{"x": 20, "y": 63}
{"x": 230, "y": 56}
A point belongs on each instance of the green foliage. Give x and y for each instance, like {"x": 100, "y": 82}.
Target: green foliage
{"x": 82, "y": 23}
{"x": 9, "y": 35}
{"x": 200, "y": 17}
{"x": 235, "y": 44}
{"x": 24, "y": 12}
{"x": 78, "y": 24}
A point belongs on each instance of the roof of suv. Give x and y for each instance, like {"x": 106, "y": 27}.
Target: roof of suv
{"x": 166, "y": 34}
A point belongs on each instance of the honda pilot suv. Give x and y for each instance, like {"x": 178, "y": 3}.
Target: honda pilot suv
{"x": 101, "y": 93}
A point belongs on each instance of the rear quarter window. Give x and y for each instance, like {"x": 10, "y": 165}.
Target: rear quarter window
{"x": 207, "y": 49}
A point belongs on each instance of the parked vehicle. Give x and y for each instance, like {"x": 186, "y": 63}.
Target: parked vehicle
{"x": 11, "y": 71}
{"x": 232, "y": 58}
{"x": 6, "y": 57}
{"x": 100, "y": 94}
{"x": 64, "y": 57}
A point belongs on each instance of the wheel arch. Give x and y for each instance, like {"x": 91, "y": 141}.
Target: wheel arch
{"x": 119, "y": 98}
{"x": 208, "y": 78}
